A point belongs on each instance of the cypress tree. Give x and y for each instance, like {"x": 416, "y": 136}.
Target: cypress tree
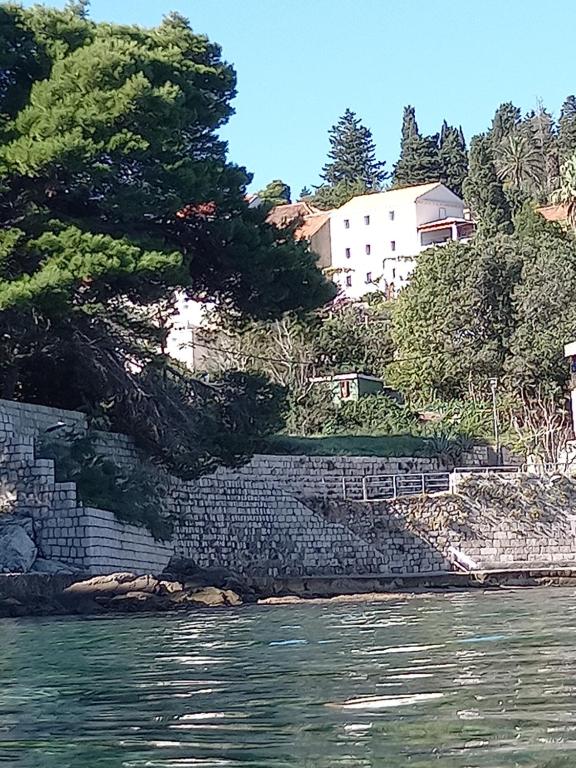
{"x": 483, "y": 190}
{"x": 506, "y": 119}
{"x": 409, "y": 124}
{"x": 567, "y": 129}
{"x": 453, "y": 158}
{"x": 352, "y": 155}
{"x": 419, "y": 161}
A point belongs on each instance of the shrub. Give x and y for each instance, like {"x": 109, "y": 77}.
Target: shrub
{"x": 373, "y": 415}
{"x": 135, "y": 495}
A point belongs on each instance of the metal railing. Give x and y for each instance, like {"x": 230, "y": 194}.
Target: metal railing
{"x": 383, "y": 487}
{"x": 386, "y": 487}
{"x": 504, "y": 469}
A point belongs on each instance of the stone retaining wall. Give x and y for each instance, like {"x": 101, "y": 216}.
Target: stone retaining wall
{"x": 252, "y": 520}
{"x": 276, "y": 516}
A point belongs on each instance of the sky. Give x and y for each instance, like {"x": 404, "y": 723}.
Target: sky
{"x": 301, "y": 63}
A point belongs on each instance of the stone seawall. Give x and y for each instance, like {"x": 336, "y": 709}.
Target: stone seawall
{"x": 255, "y": 520}
{"x": 278, "y": 516}
{"x": 491, "y": 522}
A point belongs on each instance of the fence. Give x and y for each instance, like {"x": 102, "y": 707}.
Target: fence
{"x": 382, "y": 487}
{"x": 386, "y": 487}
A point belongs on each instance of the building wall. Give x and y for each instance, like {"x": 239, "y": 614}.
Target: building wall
{"x": 320, "y": 244}
{"x": 382, "y": 261}
{"x": 387, "y": 267}
{"x": 429, "y": 205}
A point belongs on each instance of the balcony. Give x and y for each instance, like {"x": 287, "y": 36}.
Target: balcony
{"x": 444, "y": 231}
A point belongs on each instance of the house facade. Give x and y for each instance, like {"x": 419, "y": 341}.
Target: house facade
{"x": 376, "y": 238}
{"x": 313, "y": 225}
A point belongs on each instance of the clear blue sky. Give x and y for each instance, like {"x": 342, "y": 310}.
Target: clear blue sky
{"x": 300, "y": 63}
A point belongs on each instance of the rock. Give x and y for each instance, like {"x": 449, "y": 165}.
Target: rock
{"x": 138, "y": 601}
{"x": 114, "y": 584}
{"x": 24, "y": 522}
{"x": 41, "y": 565}
{"x": 211, "y": 596}
{"x": 17, "y": 550}
{"x": 194, "y": 577}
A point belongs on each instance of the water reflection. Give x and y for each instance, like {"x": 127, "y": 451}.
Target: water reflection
{"x": 463, "y": 681}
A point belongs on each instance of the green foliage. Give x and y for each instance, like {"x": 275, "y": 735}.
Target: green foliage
{"x": 519, "y": 162}
{"x": 290, "y": 351}
{"x": 135, "y": 495}
{"x": 275, "y": 193}
{"x": 454, "y": 319}
{"x": 329, "y": 196}
{"x": 310, "y": 412}
{"x": 506, "y": 119}
{"x": 484, "y": 192}
{"x": 419, "y": 161}
{"x": 353, "y": 338}
{"x": 567, "y": 129}
{"x": 452, "y": 158}
{"x": 373, "y": 415}
{"x": 115, "y": 193}
{"x": 352, "y": 155}
{"x": 540, "y": 125}
{"x": 544, "y": 312}
{"x": 567, "y": 191}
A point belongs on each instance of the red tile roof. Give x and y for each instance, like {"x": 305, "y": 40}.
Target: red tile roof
{"x": 554, "y": 212}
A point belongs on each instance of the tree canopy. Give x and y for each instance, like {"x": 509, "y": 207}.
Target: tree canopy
{"x": 275, "y": 193}
{"x": 483, "y": 190}
{"x": 115, "y": 192}
{"x": 499, "y": 306}
{"x": 352, "y": 168}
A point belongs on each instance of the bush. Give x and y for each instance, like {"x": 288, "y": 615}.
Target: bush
{"x": 310, "y": 414}
{"x": 135, "y": 495}
{"x": 373, "y": 415}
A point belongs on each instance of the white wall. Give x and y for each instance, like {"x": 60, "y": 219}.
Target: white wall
{"x": 428, "y": 206}
{"x": 379, "y": 234}
{"x": 412, "y": 206}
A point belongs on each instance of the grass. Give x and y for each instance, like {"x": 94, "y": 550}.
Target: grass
{"x": 394, "y": 446}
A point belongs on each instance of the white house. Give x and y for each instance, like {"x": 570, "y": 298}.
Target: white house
{"x": 375, "y": 238}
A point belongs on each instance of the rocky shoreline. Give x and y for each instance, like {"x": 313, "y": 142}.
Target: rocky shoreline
{"x": 184, "y": 587}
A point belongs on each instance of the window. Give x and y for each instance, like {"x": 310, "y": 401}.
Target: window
{"x": 441, "y": 213}
{"x": 346, "y": 223}
{"x": 392, "y": 245}
{"x": 391, "y": 215}
{"x": 347, "y": 253}
{"x": 368, "y": 249}
{"x": 368, "y": 277}
{"x": 344, "y": 390}
{"x": 366, "y": 220}
{"x": 349, "y": 281}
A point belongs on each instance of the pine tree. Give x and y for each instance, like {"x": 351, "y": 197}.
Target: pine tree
{"x": 483, "y": 190}
{"x": 352, "y": 155}
{"x": 419, "y": 161}
{"x": 567, "y": 130}
{"x": 305, "y": 192}
{"x": 275, "y": 193}
{"x": 506, "y": 119}
{"x": 452, "y": 158}
{"x": 115, "y": 193}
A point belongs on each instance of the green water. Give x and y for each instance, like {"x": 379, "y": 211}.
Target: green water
{"x": 464, "y": 681}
